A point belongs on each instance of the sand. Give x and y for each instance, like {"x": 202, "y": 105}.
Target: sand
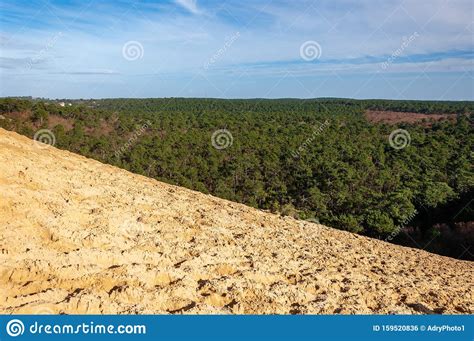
{"x": 81, "y": 237}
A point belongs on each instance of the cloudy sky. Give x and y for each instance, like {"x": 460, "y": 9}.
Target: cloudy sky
{"x": 412, "y": 49}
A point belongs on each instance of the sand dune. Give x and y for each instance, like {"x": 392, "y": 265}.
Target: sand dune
{"x": 79, "y": 236}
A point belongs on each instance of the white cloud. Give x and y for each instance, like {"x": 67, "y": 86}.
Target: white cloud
{"x": 190, "y": 5}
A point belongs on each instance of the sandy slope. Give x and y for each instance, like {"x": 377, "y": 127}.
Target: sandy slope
{"x": 78, "y": 236}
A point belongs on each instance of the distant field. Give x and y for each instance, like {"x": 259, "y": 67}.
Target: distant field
{"x": 395, "y": 117}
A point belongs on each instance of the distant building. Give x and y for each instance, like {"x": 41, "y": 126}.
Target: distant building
{"x": 62, "y": 104}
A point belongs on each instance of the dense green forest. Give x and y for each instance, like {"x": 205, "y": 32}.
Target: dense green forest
{"x": 312, "y": 159}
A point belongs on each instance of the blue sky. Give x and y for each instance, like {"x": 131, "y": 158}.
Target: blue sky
{"x": 412, "y": 49}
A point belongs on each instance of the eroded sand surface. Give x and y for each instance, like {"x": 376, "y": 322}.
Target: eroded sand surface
{"x": 78, "y": 236}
